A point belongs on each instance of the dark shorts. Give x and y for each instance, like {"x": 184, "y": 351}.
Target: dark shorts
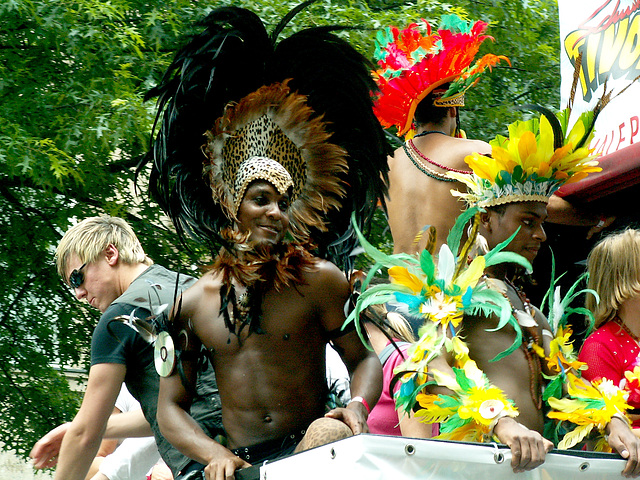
{"x": 255, "y": 454}
{"x": 271, "y": 449}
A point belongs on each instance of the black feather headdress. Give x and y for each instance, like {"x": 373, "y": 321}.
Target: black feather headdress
{"x": 233, "y": 57}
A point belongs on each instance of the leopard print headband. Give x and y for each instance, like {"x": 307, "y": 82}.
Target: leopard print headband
{"x": 260, "y": 168}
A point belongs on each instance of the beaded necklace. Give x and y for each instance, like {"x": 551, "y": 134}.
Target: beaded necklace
{"x": 444, "y": 167}
{"x": 428, "y": 132}
{"x": 529, "y": 338}
{"x": 424, "y": 169}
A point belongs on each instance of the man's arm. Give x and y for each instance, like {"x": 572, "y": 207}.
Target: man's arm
{"x": 564, "y": 213}
{"x": 528, "y": 447}
{"x": 174, "y": 401}
{"x": 623, "y": 441}
{"x": 107, "y": 447}
{"x": 127, "y": 425}
{"x": 363, "y": 365}
{"x": 184, "y": 433}
{"x": 44, "y": 453}
{"x": 82, "y": 440}
{"x": 365, "y": 372}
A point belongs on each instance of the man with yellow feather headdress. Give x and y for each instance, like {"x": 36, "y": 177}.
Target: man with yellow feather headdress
{"x": 485, "y": 352}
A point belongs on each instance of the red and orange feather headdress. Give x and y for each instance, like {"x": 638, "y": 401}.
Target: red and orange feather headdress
{"x": 413, "y": 64}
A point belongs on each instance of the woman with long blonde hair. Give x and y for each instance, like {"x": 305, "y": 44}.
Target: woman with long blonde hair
{"x": 613, "y": 350}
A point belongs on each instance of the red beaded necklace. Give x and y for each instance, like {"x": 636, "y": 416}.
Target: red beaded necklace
{"x": 424, "y": 157}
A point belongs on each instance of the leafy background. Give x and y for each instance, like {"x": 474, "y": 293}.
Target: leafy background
{"x": 73, "y": 125}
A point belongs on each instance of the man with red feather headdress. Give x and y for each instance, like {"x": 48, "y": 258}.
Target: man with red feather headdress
{"x": 423, "y": 77}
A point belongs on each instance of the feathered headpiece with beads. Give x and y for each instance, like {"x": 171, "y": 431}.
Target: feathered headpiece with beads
{"x": 540, "y": 155}
{"x": 271, "y": 135}
{"x": 412, "y": 65}
{"x": 303, "y": 102}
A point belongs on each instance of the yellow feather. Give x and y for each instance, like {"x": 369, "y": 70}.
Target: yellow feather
{"x": 527, "y": 148}
{"x": 575, "y": 436}
{"x": 565, "y": 405}
{"x": 576, "y": 133}
{"x": 473, "y": 372}
{"x": 402, "y": 276}
{"x": 445, "y": 380}
{"x": 482, "y": 166}
{"x": 545, "y": 141}
{"x": 470, "y": 277}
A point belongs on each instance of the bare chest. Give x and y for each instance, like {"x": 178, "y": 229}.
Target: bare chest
{"x": 285, "y": 323}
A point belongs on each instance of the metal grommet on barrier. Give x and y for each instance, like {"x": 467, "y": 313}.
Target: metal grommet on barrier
{"x": 584, "y": 467}
{"x": 498, "y": 456}
{"x": 333, "y": 454}
{"x": 409, "y": 449}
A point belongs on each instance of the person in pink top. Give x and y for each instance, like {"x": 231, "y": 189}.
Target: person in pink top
{"x": 384, "y": 419}
{"x": 613, "y": 350}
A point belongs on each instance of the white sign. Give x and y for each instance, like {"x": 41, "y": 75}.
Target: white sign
{"x": 607, "y": 33}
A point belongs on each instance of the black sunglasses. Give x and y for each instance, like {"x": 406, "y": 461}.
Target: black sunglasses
{"x": 77, "y": 277}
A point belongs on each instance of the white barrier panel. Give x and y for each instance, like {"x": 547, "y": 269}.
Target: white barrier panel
{"x": 373, "y": 457}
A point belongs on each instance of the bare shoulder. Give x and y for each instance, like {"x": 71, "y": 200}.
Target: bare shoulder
{"x": 326, "y": 276}
{"x": 398, "y": 156}
{"x": 468, "y": 146}
{"x": 199, "y": 296}
{"x": 452, "y": 151}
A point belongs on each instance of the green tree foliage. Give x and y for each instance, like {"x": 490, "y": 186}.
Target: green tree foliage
{"x": 73, "y": 126}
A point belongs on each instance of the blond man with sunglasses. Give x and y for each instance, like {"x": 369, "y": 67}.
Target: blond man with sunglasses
{"x": 102, "y": 260}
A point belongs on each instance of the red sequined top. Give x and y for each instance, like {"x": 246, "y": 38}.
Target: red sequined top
{"x": 609, "y": 352}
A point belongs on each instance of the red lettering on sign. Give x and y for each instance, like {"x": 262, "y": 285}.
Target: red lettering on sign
{"x": 608, "y": 20}
{"x": 621, "y": 139}
{"x": 634, "y": 130}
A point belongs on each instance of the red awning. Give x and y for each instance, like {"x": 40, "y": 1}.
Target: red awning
{"x": 620, "y": 170}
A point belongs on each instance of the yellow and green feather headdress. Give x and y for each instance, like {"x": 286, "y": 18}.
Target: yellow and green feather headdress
{"x": 440, "y": 289}
{"x": 540, "y": 155}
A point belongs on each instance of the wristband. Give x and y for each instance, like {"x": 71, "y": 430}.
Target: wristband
{"x": 362, "y": 401}
{"x": 622, "y": 417}
{"x": 494, "y": 422}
